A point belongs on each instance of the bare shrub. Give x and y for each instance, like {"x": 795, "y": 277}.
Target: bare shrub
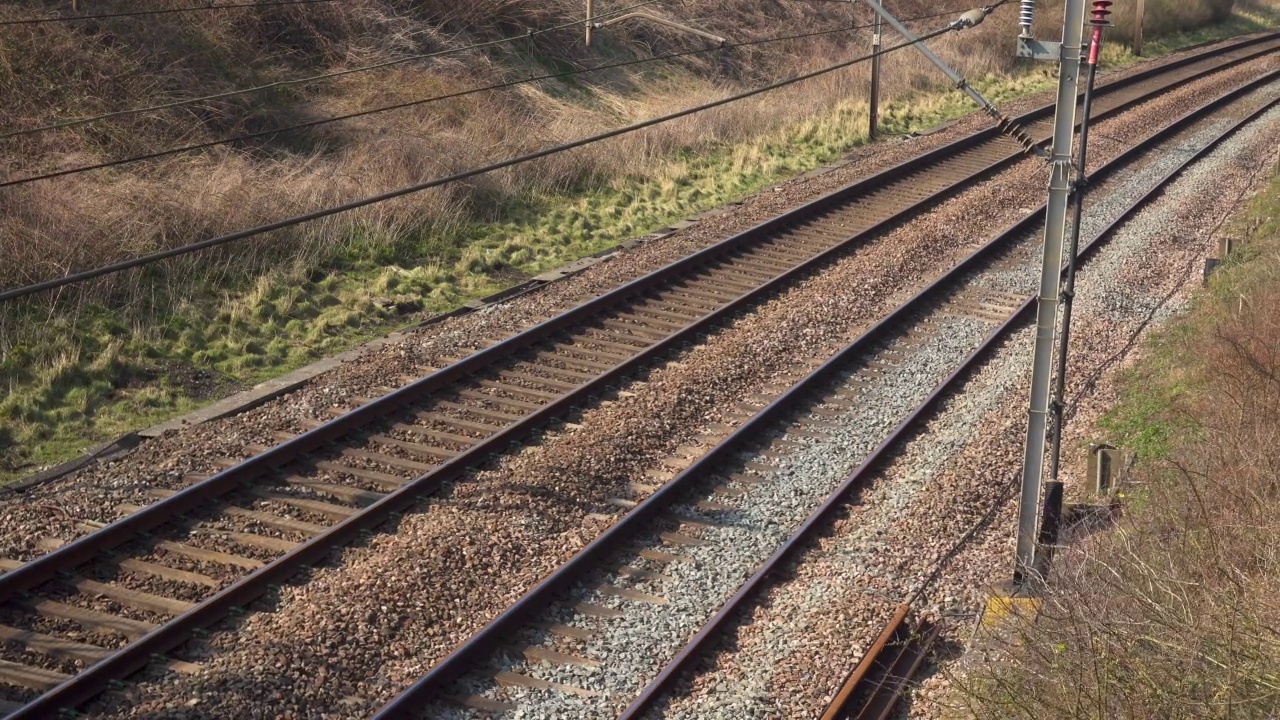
{"x": 1175, "y": 614}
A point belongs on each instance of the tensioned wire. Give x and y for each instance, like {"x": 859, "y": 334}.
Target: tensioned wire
{"x": 426, "y": 101}
{"x": 456, "y": 177}
{"x": 164, "y": 11}
{"x": 62, "y": 125}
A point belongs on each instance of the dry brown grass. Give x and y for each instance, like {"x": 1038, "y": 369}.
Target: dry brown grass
{"x": 1175, "y": 614}
{"x": 1163, "y": 16}
{"x": 49, "y": 72}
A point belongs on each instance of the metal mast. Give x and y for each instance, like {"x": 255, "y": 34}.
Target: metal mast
{"x": 1097, "y": 22}
{"x": 1050, "y": 286}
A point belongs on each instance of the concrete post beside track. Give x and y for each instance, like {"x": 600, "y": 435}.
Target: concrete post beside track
{"x": 1139, "y": 16}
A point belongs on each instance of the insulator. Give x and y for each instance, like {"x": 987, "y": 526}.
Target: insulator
{"x": 1027, "y": 15}
{"x": 1101, "y": 11}
{"x": 973, "y": 17}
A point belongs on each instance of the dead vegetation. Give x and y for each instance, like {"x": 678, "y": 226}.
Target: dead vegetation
{"x": 72, "y": 362}
{"x": 1176, "y": 613}
{"x": 59, "y": 71}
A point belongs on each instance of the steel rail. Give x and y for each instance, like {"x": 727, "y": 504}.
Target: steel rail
{"x": 87, "y": 547}
{"x": 875, "y": 686}
{"x": 821, "y": 516}
{"x": 138, "y": 653}
{"x": 497, "y": 631}
{"x": 849, "y": 688}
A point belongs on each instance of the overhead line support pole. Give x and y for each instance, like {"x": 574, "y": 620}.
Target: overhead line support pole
{"x": 591, "y": 6}
{"x": 1090, "y": 72}
{"x": 966, "y": 20}
{"x": 877, "y": 39}
{"x": 941, "y": 64}
{"x": 1139, "y": 16}
{"x": 1050, "y": 285}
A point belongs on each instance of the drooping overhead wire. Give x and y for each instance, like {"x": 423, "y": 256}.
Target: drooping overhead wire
{"x": 425, "y": 101}
{"x": 437, "y": 182}
{"x": 164, "y": 11}
{"x": 62, "y": 125}
{"x": 422, "y": 101}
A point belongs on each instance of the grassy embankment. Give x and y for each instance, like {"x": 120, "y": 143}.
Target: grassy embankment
{"x": 162, "y": 342}
{"x": 1175, "y": 613}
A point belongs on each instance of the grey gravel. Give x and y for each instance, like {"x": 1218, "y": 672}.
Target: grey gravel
{"x": 632, "y": 648}
{"x": 358, "y": 632}
{"x": 1141, "y": 277}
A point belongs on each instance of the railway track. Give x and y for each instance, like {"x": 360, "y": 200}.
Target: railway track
{"x": 595, "y": 636}
{"x": 94, "y": 610}
{"x": 874, "y": 687}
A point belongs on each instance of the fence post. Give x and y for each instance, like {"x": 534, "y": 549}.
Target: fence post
{"x": 876, "y": 42}
{"x": 1139, "y": 14}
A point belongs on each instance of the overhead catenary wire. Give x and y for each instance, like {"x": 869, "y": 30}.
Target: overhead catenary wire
{"x": 77, "y": 122}
{"x": 425, "y": 101}
{"x": 163, "y": 11}
{"x": 150, "y": 258}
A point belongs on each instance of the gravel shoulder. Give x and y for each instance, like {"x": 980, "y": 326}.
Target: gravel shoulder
{"x": 791, "y": 653}
{"x": 410, "y": 596}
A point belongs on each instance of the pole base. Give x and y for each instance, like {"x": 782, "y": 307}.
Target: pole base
{"x": 1008, "y": 603}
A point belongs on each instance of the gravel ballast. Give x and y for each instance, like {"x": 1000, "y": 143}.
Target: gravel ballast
{"x": 631, "y": 649}
{"x": 163, "y": 462}
{"x": 806, "y": 633}
{"x": 354, "y": 634}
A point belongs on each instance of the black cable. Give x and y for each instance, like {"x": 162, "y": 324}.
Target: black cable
{"x": 167, "y": 11}
{"x": 425, "y": 101}
{"x": 456, "y": 177}
{"x": 307, "y": 80}
{"x": 413, "y": 103}
{"x": 851, "y": 4}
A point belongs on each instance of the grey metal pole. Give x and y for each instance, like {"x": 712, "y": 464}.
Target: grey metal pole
{"x": 1050, "y": 279}
{"x": 1073, "y": 247}
{"x": 590, "y": 19}
{"x": 877, "y": 40}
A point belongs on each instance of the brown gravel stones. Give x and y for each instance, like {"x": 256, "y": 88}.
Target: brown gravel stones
{"x": 354, "y": 633}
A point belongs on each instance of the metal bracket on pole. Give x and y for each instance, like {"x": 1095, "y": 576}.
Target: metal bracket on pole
{"x": 1028, "y": 46}
{"x": 1038, "y": 49}
{"x": 1025, "y": 568}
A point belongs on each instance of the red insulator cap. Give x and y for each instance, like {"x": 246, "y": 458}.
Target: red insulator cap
{"x": 1101, "y": 10}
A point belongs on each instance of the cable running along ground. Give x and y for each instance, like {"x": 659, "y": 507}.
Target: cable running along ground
{"x": 426, "y": 101}
{"x": 167, "y": 11}
{"x": 464, "y": 175}
{"x": 312, "y": 79}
